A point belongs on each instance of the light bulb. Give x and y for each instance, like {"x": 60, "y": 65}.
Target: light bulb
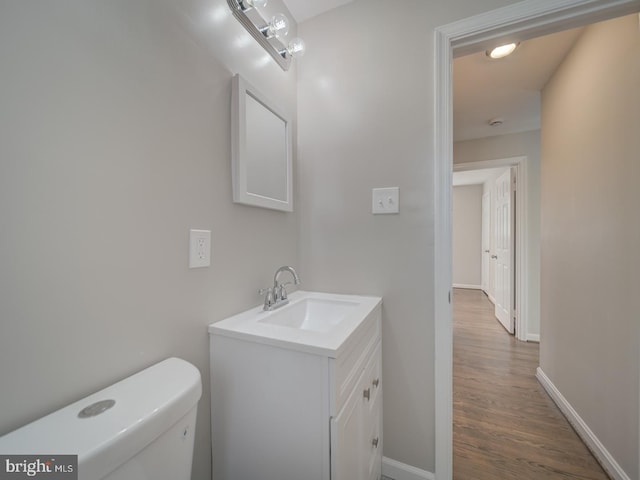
{"x": 277, "y": 27}
{"x": 296, "y": 47}
{"x": 255, "y": 3}
{"x": 502, "y": 51}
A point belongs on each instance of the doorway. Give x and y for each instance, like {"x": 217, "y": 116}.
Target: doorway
{"x": 519, "y": 21}
{"x": 519, "y": 277}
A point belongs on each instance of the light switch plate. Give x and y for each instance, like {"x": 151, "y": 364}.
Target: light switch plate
{"x": 199, "y": 248}
{"x": 385, "y": 200}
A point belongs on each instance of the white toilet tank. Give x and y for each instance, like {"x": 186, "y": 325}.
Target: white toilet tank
{"x": 147, "y": 433}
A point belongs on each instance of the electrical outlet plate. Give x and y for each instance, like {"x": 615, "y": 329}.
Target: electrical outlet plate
{"x": 385, "y": 200}
{"x": 199, "y": 248}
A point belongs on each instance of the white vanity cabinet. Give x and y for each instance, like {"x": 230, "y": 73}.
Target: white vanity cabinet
{"x": 287, "y": 410}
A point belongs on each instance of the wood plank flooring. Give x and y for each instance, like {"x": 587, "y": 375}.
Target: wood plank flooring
{"x": 505, "y": 426}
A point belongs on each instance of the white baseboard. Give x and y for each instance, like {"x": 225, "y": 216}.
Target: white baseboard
{"x": 401, "y": 471}
{"x": 470, "y": 287}
{"x": 533, "y": 337}
{"x": 588, "y": 437}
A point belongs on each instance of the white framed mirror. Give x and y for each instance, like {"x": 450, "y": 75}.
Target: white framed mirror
{"x": 261, "y": 150}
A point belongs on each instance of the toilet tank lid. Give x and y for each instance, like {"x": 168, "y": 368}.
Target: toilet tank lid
{"x": 146, "y": 405}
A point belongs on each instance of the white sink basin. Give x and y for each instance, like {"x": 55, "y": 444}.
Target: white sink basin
{"x": 314, "y": 314}
{"x": 313, "y": 322}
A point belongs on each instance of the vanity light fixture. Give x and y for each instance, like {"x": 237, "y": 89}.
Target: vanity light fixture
{"x": 249, "y": 4}
{"x": 296, "y": 48}
{"x": 277, "y": 27}
{"x": 502, "y": 51}
{"x": 268, "y": 34}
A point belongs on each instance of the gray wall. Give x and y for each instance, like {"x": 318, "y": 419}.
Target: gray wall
{"x": 507, "y": 146}
{"x": 590, "y": 233}
{"x": 365, "y": 112}
{"x": 467, "y": 235}
{"x": 114, "y": 142}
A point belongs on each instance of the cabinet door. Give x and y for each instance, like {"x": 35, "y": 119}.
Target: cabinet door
{"x": 346, "y": 439}
{"x": 372, "y": 417}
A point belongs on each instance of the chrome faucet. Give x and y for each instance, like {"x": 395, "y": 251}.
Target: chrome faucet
{"x": 276, "y": 296}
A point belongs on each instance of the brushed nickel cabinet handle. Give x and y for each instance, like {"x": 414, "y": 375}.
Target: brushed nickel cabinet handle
{"x": 374, "y": 442}
{"x": 376, "y": 382}
{"x": 367, "y": 394}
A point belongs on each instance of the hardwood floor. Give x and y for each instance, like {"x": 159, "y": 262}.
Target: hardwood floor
{"x": 504, "y": 424}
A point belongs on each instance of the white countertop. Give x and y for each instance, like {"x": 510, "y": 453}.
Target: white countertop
{"x": 253, "y": 325}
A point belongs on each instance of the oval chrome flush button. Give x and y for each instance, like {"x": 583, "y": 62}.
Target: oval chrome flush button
{"x": 96, "y": 408}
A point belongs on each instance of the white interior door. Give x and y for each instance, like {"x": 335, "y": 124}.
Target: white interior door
{"x": 486, "y": 240}
{"x": 503, "y": 251}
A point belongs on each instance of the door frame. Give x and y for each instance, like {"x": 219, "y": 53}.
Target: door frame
{"x": 521, "y": 244}
{"x": 485, "y": 278}
{"x": 516, "y": 22}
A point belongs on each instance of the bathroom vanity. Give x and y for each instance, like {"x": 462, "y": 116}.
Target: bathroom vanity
{"x": 296, "y": 393}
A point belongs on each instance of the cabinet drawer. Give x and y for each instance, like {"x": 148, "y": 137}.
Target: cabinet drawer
{"x": 349, "y": 365}
{"x": 372, "y": 379}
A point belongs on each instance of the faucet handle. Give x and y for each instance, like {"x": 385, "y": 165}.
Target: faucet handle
{"x": 269, "y": 297}
{"x": 283, "y": 291}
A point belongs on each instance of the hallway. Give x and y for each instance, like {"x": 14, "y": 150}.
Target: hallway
{"x": 504, "y": 424}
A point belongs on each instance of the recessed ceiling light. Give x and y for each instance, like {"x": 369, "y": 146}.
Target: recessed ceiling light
{"x": 502, "y": 51}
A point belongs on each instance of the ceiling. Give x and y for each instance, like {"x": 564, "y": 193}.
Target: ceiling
{"x": 483, "y": 88}
{"x": 508, "y": 88}
{"x": 302, "y": 10}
